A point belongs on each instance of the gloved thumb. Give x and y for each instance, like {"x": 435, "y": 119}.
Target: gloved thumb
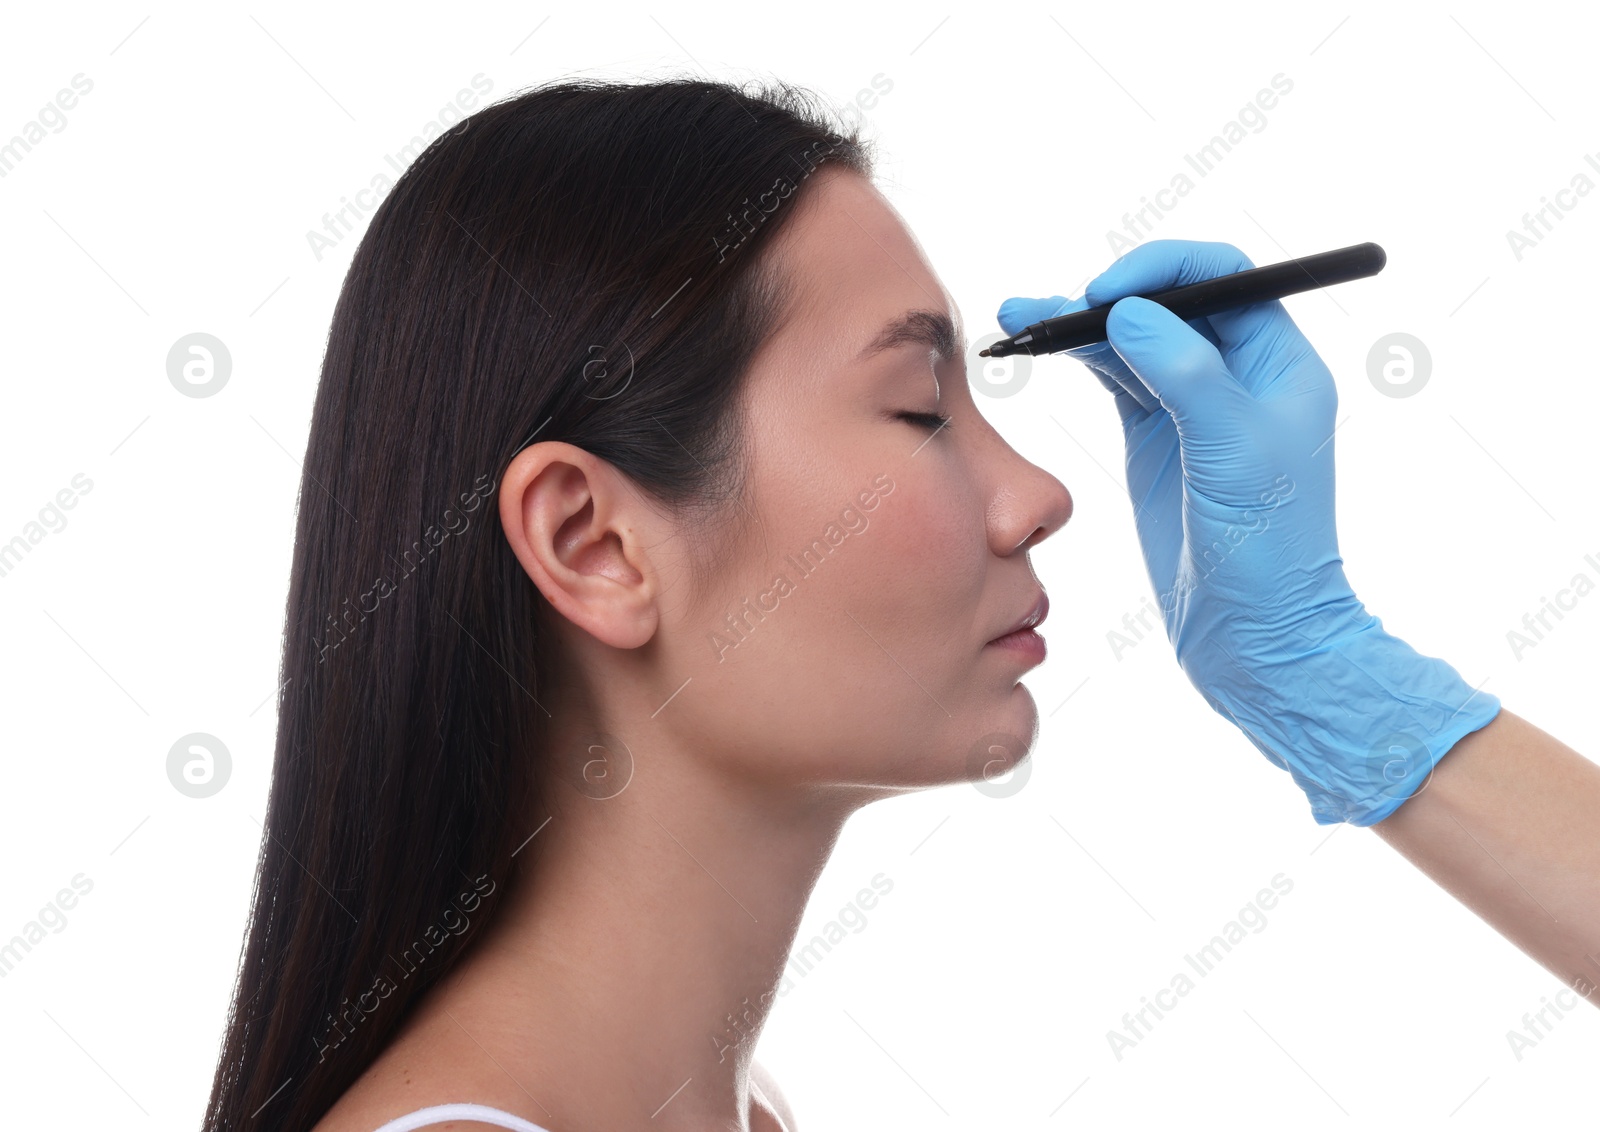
{"x": 1017, "y": 313}
{"x": 1180, "y": 367}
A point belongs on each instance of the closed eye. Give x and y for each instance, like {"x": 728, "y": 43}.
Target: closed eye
{"x": 931, "y": 421}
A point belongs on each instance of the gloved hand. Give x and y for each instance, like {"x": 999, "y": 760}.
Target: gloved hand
{"x": 1229, "y": 424}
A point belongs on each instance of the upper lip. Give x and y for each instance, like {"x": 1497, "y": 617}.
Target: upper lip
{"x": 1034, "y": 615}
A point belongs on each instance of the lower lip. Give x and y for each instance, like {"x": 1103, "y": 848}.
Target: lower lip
{"x": 1026, "y": 642}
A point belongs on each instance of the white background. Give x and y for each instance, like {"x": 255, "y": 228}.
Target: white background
{"x": 1019, "y": 930}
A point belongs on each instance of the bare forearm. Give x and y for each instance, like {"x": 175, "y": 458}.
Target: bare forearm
{"x": 1509, "y": 824}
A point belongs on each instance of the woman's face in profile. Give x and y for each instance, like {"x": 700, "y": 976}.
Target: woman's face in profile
{"x": 846, "y": 636}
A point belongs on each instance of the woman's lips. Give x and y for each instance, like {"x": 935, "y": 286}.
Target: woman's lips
{"x": 1025, "y": 643}
{"x": 1022, "y": 639}
{"x": 1030, "y": 618}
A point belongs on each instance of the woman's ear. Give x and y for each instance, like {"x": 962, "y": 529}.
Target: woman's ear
{"x": 579, "y": 530}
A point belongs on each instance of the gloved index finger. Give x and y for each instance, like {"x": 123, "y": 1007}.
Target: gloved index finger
{"x": 1134, "y": 401}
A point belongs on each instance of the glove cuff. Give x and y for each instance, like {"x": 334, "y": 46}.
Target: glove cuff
{"x": 1370, "y": 719}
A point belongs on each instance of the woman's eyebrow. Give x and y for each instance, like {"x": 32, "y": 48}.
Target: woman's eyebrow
{"x": 933, "y": 329}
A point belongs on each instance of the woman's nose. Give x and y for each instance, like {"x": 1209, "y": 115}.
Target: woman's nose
{"x": 1029, "y": 509}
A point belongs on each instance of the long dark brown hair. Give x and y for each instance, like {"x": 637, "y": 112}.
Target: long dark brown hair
{"x": 579, "y": 262}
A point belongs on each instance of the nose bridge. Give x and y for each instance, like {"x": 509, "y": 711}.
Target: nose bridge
{"x": 1026, "y": 503}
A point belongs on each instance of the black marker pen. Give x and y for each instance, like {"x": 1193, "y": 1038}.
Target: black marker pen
{"x": 1226, "y": 292}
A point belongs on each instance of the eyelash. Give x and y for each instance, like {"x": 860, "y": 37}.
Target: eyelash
{"x": 930, "y": 421}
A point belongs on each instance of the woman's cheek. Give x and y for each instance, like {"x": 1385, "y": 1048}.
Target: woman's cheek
{"x": 938, "y": 541}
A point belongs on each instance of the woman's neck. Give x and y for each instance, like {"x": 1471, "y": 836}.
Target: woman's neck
{"x": 630, "y": 967}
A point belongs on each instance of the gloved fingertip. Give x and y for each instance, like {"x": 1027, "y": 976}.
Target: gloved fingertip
{"x": 1136, "y": 314}
{"x": 1018, "y": 312}
{"x": 1103, "y": 289}
{"x": 1165, "y": 352}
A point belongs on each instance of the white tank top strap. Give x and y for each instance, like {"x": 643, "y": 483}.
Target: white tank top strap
{"x": 439, "y": 1113}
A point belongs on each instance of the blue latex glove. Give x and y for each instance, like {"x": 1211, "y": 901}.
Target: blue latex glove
{"x": 1229, "y": 424}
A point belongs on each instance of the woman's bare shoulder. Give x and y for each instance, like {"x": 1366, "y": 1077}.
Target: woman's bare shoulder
{"x": 764, "y": 1083}
{"x": 356, "y": 1121}
{"x": 458, "y": 1126}
{"x": 396, "y": 1086}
